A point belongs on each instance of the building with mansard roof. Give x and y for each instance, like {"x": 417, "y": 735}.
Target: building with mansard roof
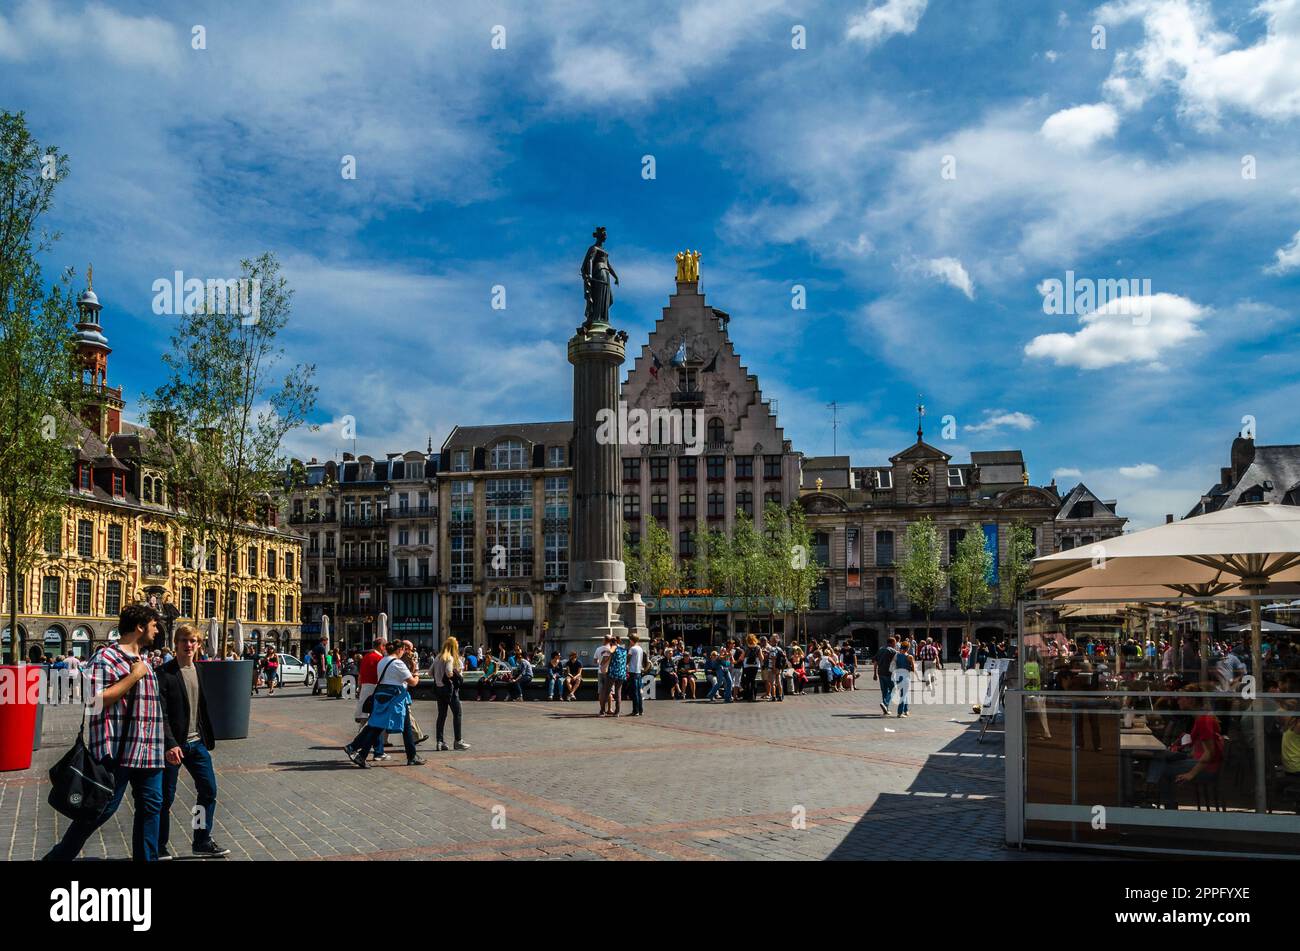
{"x": 860, "y": 515}
{"x": 505, "y": 491}
{"x": 1254, "y": 474}
{"x": 117, "y": 539}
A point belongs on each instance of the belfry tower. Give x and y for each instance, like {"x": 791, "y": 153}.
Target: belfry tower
{"x": 102, "y": 406}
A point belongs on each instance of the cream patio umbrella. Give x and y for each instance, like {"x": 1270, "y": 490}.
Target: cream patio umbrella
{"x": 214, "y": 642}
{"x": 1242, "y": 550}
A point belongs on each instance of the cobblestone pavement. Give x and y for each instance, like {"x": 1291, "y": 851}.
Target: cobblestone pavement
{"x": 815, "y": 777}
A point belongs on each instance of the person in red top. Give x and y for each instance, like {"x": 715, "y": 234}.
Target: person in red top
{"x": 367, "y": 679}
{"x": 1201, "y": 748}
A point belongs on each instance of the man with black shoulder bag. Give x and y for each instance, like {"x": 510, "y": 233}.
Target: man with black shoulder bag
{"x": 126, "y": 740}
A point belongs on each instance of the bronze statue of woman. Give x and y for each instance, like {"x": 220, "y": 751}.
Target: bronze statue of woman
{"x": 596, "y": 288}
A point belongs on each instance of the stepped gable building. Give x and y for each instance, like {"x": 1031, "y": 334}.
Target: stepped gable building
{"x": 739, "y": 457}
{"x": 860, "y": 515}
{"x": 117, "y": 539}
{"x": 1254, "y": 474}
{"x": 506, "y": 493}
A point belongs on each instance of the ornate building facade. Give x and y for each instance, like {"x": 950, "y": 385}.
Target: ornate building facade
{"x": 116, "y": 539}
{"x": 860, "y": 517}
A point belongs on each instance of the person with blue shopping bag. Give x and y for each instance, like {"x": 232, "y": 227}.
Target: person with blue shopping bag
{"x": 389, "y": 709}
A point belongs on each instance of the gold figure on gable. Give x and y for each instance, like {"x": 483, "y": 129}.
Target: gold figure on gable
{"x": 688, "y": 266}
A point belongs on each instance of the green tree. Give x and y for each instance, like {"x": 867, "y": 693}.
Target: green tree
{"x": 750, "y": 570}
{"x": 40, "y": 390}
{"x": 806, "y": 570}
{"x": 232, "y": 412}
{"x": 1019, "y": 564}
{"x": 921, "y": 574}
{"x": 652, "y": 563}
{"x": 970, "y": 570}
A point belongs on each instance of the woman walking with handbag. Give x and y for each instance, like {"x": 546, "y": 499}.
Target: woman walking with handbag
{"x": 447, "y": 670}
{"x": 390, "y": 709}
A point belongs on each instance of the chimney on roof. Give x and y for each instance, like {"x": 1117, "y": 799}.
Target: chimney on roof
{"x": 312, "y": 462}
{"x": 1225, "y": 476}
{"x": 1169, "y": 519}
{"x": 1243, "y": 454}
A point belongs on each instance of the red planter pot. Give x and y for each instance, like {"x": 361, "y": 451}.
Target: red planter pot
{"x": 20, "y": 690}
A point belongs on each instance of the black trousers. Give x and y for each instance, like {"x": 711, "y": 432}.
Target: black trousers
{"x": 747, "y": 678}
{"x": 365, "y": 740}
{"x": 448, "y": 698}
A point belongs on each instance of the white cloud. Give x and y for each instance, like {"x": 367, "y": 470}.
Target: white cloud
{"x": 1050, "y": 56}
{"x": 995, "y": 420}
{"x": 1081, "y": 126}
{"x": 950, "y": 271}
{"x": 1127, "y": 330}
{"x": 1183, "y": 48}
{"x": 40, "y": 28}
{"x": 1143, "y": 470}
{"x": 1288, "y": 257}
{"x": 603, "y": 59}
{"x": 878, "y": 23}
{"x": 1067, "y": 474}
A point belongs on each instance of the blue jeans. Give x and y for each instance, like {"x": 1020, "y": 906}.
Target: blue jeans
{"x": 887, "y": 689}
{"x": 517, "y": 686}
{"x": 634, "y": 683}
{"x": 146, "y": 790}
{"x": 198, "y": 763}
{"x": 725, "y": 684}
{"x": 555, "y": 687}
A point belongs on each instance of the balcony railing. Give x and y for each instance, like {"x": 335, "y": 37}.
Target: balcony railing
{"x": 421, "y": 511}
{"x": 362, "y": 521}
{"x": 688, "y": 398}
{"x": 363, "y": 564}
{"x": 412, "y": 581}
{"x": 154, "y": 571}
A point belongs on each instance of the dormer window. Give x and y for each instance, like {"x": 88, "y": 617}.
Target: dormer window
{"x": 955, "y": 479}
{"x": 884, "y": 479}
{"x": 84, "y": 477}
{"x": 119, "y": 485}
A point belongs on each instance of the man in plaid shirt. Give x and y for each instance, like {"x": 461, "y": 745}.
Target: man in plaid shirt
{"x": 929, "y": 655}
{"x": 120, "y": 674}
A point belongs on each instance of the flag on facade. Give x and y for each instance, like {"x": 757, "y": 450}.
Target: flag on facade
{"x": 655, "y": 365}
{"x": 680, "y": 356}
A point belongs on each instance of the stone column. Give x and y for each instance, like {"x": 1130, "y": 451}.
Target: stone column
{"x": 597, "y": 603}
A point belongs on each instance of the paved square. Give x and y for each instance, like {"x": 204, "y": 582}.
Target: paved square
{"x": 690, "y": 780}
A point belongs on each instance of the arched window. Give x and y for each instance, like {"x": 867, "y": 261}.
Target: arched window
{"x": 717, "y": 431}
{"x": 146, "y": 489}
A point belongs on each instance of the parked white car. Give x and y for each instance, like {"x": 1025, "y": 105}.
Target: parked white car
{"x": 294, "y": 671}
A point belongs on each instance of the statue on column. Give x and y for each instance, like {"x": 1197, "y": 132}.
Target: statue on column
{"x": 596, "y": 288}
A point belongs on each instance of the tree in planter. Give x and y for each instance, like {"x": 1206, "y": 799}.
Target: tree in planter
{"x": 233, "y": 412}
{"x": 921, "y": 574}
{"x": 1019, "y": 565}
{"x": 970, "y": 570}
{"x": 39, "y": 385}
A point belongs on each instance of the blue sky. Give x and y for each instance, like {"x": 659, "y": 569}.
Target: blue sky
{"x": 822, "y": 167}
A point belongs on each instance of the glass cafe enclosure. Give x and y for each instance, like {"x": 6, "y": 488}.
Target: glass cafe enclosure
{"x": 1137, "y": 725}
